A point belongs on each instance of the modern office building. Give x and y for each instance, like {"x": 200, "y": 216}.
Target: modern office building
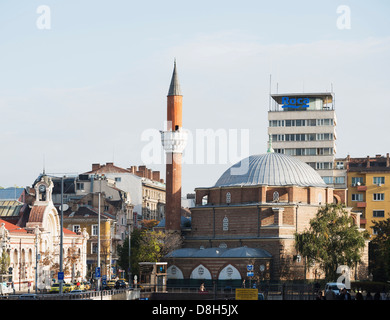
{"x": 304, "y": 125}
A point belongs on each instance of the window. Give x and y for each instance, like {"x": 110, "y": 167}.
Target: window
{"x": 356, "y": 181}
{"x": 379, "y": 196}
{"x": 118, "y": 179}
{"x": 80, "y": 185}
{"x": 276, "y": 123}
{"x": 95, "y": 230}
{"x": 94, "y": 248}
{"x": 328, "y": 180}
{"x": 225, "y": 224}
{"x": 378, "y": 213}
{"x": 339, "y": 165}
{"x": 76, "y": 228}
{"x": 324, "y": 136}
{"x": 379, "y": 180}
{"x": 357, "y": 197}
{"x": 228, "y": 197}
{"x": 324, "y": 165}
{"x": 339, "y": 180}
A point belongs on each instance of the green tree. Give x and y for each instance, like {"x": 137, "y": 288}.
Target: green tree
{"x": 380, "y": 251}
{"x": 332, "y": 240}
{"x": 4, "y": 262}
{"x": 146, "y": 246}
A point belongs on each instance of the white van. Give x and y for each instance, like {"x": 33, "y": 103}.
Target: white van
{"x": 336, "y": 287}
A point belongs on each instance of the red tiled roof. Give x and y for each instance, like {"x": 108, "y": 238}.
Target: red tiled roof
{"x": 12, "y": 227}
{"x": 36, "y": 214}
{"x": 108, "y": 168}
{"x": 67, "y": 231}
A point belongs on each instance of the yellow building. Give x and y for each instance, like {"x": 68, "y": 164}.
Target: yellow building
{"x": 368, "y": 181}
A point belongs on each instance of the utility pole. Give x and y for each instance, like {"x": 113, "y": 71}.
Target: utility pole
{"x": 61, "y": 233}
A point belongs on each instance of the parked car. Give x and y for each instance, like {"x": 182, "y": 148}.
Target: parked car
{"x": 68, "y": 287}
{"x": 55, "y": 288}
{"x": 87, "y": 285}
{"x": 120, "y": 284}
{"x": 336, "y": 287}
{"x": 110, "y": 284}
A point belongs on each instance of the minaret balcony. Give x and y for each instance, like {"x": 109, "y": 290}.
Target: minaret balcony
{"x": 174, "y": 141}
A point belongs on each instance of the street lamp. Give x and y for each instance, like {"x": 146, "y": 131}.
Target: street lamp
{"x": 37, "y": 255}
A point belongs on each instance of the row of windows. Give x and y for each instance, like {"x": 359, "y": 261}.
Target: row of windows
{"x": 306, "y": 151}
{"x": 335, "y": 180}
{"x": 303, "y": 137}
{"x": 375, "y": 180}
{"x": 375, "y": 197}
{"x": 301, "y": 123}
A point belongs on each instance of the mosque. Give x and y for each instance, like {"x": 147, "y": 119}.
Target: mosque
{"x": 242, "y": 227}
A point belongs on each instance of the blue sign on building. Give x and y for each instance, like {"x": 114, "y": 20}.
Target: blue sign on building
{"x": 97, "y": 272}
{"x": 295, "y": 103}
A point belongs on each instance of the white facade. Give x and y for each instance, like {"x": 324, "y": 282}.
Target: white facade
{"x": 37, "y": 243}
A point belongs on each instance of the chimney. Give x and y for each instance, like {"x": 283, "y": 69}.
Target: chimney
{"x": 368, "y": 162}
{"x": 387, "y": 160}
{"x": 96, "y": 166}
{"x": 156, "y": 176}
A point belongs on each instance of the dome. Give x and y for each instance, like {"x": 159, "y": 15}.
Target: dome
{"x": 271, "y": 169}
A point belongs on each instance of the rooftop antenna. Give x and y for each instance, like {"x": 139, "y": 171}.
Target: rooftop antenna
{"x": 270, "y": 82}
{"x": 44, "y": 164}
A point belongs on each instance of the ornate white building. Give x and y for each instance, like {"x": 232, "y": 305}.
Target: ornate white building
{"x": 35, "y": 242}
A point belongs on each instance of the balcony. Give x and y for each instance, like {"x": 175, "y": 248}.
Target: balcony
{"x": 361, "y": 204}
{"x": 361, "y": 188}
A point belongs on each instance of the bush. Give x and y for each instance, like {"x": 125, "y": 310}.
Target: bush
{"x": 370, "y": 286}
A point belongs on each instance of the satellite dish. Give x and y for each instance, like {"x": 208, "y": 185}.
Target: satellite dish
{"x": 65, "y": 207}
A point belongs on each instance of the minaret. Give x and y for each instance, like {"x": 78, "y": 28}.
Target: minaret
{"x": 174, "y": 140}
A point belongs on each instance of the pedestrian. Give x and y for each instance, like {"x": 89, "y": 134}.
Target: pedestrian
{"x": 320, "y": 295}
{"x": 358, "y": 296}
{"x": 368, "y": 296}
{"x": 377, "y": 296}
{"x": 344, "y": 295}
{"x": 330, "y": 295}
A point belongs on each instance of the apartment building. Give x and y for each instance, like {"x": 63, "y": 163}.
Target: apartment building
{"x": 368, "y": 181}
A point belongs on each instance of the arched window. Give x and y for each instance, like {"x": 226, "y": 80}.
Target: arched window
{"x": 228, "y": 197}
{"x": 225, "y": 224}
{"x": 204, "y": 200}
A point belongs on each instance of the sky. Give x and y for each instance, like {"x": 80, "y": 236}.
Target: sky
{"x": 85, "y": 82}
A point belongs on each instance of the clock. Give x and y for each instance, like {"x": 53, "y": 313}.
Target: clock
{"x": 42, "y": 188}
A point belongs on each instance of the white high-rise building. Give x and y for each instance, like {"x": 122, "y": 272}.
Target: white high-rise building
{"x": 304, "y": 125}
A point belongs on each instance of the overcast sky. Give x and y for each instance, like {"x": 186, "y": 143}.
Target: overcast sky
{"x": 93, "y": 85}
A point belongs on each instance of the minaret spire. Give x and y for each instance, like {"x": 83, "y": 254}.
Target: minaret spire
{"x": 174, "y": 88}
